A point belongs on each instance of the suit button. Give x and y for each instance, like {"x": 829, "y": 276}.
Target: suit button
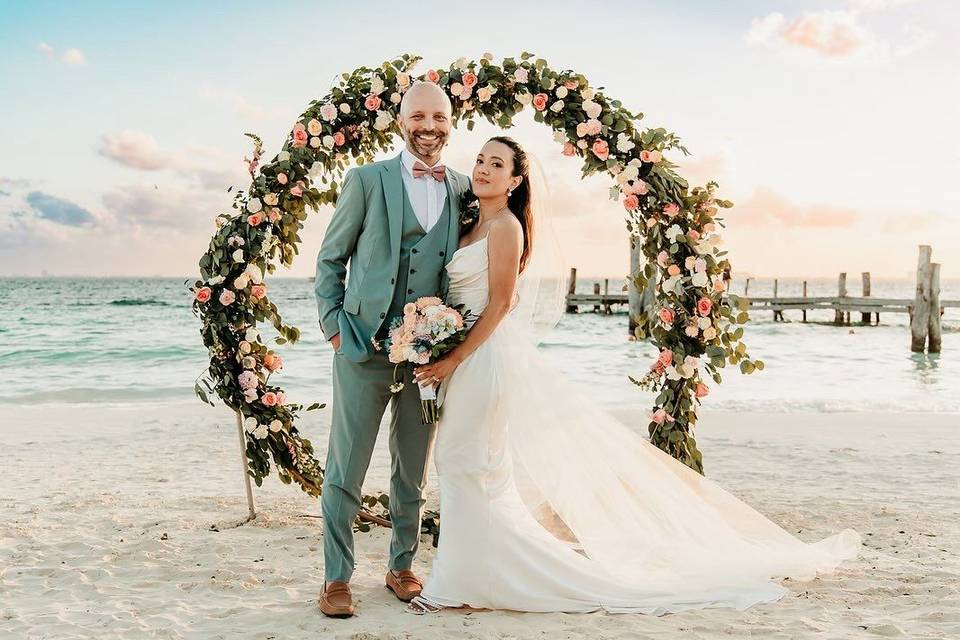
{"x": 393, "y": 281}
{"x": 382, "y": 316}
{"x": 409, "y": 290}
{"x": 441, "y": 254}
{"x": 414, "y": 251}
{"x": 412, "y": 271}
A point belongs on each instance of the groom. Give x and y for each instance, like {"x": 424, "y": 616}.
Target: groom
{"x": 397, "y": 225}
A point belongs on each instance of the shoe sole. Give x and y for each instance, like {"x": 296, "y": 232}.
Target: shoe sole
{"x": 390, "y": 589}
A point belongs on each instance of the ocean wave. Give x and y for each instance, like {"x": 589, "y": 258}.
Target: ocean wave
{"x": 85, "y": 395}
{"x": 140, "y": 302}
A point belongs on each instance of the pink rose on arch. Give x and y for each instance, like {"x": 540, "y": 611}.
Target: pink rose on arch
{"x": 581, "y": 129}
{"x": 269, "y": 399}
{"x": 665, "y": 358}
{"x": 693, "y": 234}
{"x": 702, "y": 390}
{"x": 663, "y": 259}
{"x": 719, "y": 286}
{"x": 655, "y": 156}
{"x": 372, "y": 103}
{"x": 259, "y": 291}
{"x": 469, "y": 79}
{"x": 594, "y": 127}
{"x": 297, "y": 189}
{"x": 281, "y": 397}
{"x": 601, "y": 149}
{"x": 282, "y": 178}
{"x": 631, "y": 202}
{"x": 571, "y": 84}
{"x": 328, "y": 112}
{"x": 300, "y": 135}
{"x": 666, "y": 315}
{"x": 274, "y": 214}
{"x": 433, "y": 76}
{"x": 568, "y": 149}
{"x": 671, "y": 209}
{"x": 272, "y": 361}
{"x": 203, "y": 294}
{"x": 540, "y": 101}
{"x": 339, "y": 138}
{"x": 255, "y": 219}
{"x": 704, "y": 305}
{"x": 660, "y": 416}
{"x": 227, "y": 297}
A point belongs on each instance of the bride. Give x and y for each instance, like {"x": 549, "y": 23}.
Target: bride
{"x": 550, "y": 504}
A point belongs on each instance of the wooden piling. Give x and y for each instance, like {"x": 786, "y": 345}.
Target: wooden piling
{"x": 572, "y": 289}
{"x": 634, "y": 295}
{"x": 804, "y": 295}
{"x": 606, "y": 297}
{"x": 596, "y": 292}
{"x": 842, "y": 293}
{"x": 866, "y": 317}
{"x": 936, "y": 319}
{"x": 746, "y": 288}
{"x": 777, "y": 315}
{"x": 920, "y": 320}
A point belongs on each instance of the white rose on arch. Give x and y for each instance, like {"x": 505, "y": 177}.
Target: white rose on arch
{"x": 673, "y": 232}
{"x": 383, "y": 121}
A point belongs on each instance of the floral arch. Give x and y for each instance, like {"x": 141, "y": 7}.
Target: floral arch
{"x": 697, "y": 324}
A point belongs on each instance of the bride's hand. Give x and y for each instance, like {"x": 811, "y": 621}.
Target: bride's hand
{"x": 436, "y": 372}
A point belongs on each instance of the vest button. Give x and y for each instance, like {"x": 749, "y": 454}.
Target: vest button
{"x": 393, "y": 281}
{"x": 409, "y": 290}
{"x": 382, "y": 316}
{"x": 413, "y": 251}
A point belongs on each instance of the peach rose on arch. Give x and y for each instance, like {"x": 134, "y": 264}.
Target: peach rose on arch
{"x": 300, "y": 135}
{"x": 203, "y": 294}
{"x": 433, "y": 76}
{"x": 601, "y": 149}
{"x": 540, "y": 101}
{"x": 704, "y": 305}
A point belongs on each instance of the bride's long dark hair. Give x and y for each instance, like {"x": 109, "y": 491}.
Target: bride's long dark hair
{"x": 518, "y": 201}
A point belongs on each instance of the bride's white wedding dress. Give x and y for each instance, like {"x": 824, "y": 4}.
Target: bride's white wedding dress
{"x": 550, "y": 504}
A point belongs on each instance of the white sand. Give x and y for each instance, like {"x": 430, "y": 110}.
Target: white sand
{"x": 106, "y": 514}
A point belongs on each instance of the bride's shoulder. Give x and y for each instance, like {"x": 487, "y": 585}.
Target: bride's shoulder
{"x": 505, "y": 229}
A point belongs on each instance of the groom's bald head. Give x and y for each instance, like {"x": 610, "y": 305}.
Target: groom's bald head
{"x": 425, "y": 95}
{"x": 424, "y": 119}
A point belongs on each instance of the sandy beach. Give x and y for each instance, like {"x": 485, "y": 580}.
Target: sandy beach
{"x": 120, "y": 523}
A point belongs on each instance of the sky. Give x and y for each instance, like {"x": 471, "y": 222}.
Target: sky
{"x": 830, "y": 124}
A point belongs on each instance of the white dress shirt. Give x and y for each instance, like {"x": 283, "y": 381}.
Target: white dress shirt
{"x": 427, "y": 195}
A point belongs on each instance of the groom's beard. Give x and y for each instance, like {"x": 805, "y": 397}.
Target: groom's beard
{"x": 426, "y": 148}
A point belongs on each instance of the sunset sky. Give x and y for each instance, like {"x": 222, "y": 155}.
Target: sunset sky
{"x": 831, "y": 125}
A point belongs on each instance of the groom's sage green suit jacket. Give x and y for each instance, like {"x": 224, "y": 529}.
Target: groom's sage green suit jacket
{"x": 365, "y": 234}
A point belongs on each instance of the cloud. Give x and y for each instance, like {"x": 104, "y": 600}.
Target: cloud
{"x": 134, "y": 149}
{"x": 836, "y": 34}
{"x": 15, "y": 183}
{"x": 74, "y": 57}
{"x": 150, "y": 205}
{"x": 45, "y": 49}
{"x": 59, "y": 210}
{"x": 4, "y": 193}
{"x": 765, "y": 207}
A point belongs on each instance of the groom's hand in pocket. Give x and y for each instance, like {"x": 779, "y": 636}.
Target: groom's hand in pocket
{"x": 335, "y": 341}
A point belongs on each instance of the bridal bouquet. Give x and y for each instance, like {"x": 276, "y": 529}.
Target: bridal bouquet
{"x": 427, "y": 329}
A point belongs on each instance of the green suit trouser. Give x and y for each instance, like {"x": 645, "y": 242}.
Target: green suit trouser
{"x": 361, "y": 392}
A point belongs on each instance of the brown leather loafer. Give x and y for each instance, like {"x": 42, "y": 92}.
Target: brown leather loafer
{"x": 404, "y": 584}
{"x": 336, "y": 601}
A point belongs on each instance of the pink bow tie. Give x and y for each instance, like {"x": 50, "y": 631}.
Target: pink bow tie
{"x": 438, "y": 172}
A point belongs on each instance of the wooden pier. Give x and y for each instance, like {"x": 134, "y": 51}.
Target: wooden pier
{"x": 926, "y": 309}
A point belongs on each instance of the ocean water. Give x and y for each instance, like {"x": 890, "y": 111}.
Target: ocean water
{"x": 128, "y": 340}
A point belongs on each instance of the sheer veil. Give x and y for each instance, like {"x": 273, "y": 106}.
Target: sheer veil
{"x": 644, "y": 518}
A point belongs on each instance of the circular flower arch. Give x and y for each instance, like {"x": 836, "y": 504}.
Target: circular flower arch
{"x": 697, "y": 325}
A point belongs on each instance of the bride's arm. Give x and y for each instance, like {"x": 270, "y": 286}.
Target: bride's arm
{"x": 504, "y": 247}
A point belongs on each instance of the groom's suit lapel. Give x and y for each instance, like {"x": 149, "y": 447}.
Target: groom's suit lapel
{"x": 392, "y": 178}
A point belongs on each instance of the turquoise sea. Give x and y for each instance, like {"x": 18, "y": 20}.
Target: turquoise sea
{"x": 131, "y": 340}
